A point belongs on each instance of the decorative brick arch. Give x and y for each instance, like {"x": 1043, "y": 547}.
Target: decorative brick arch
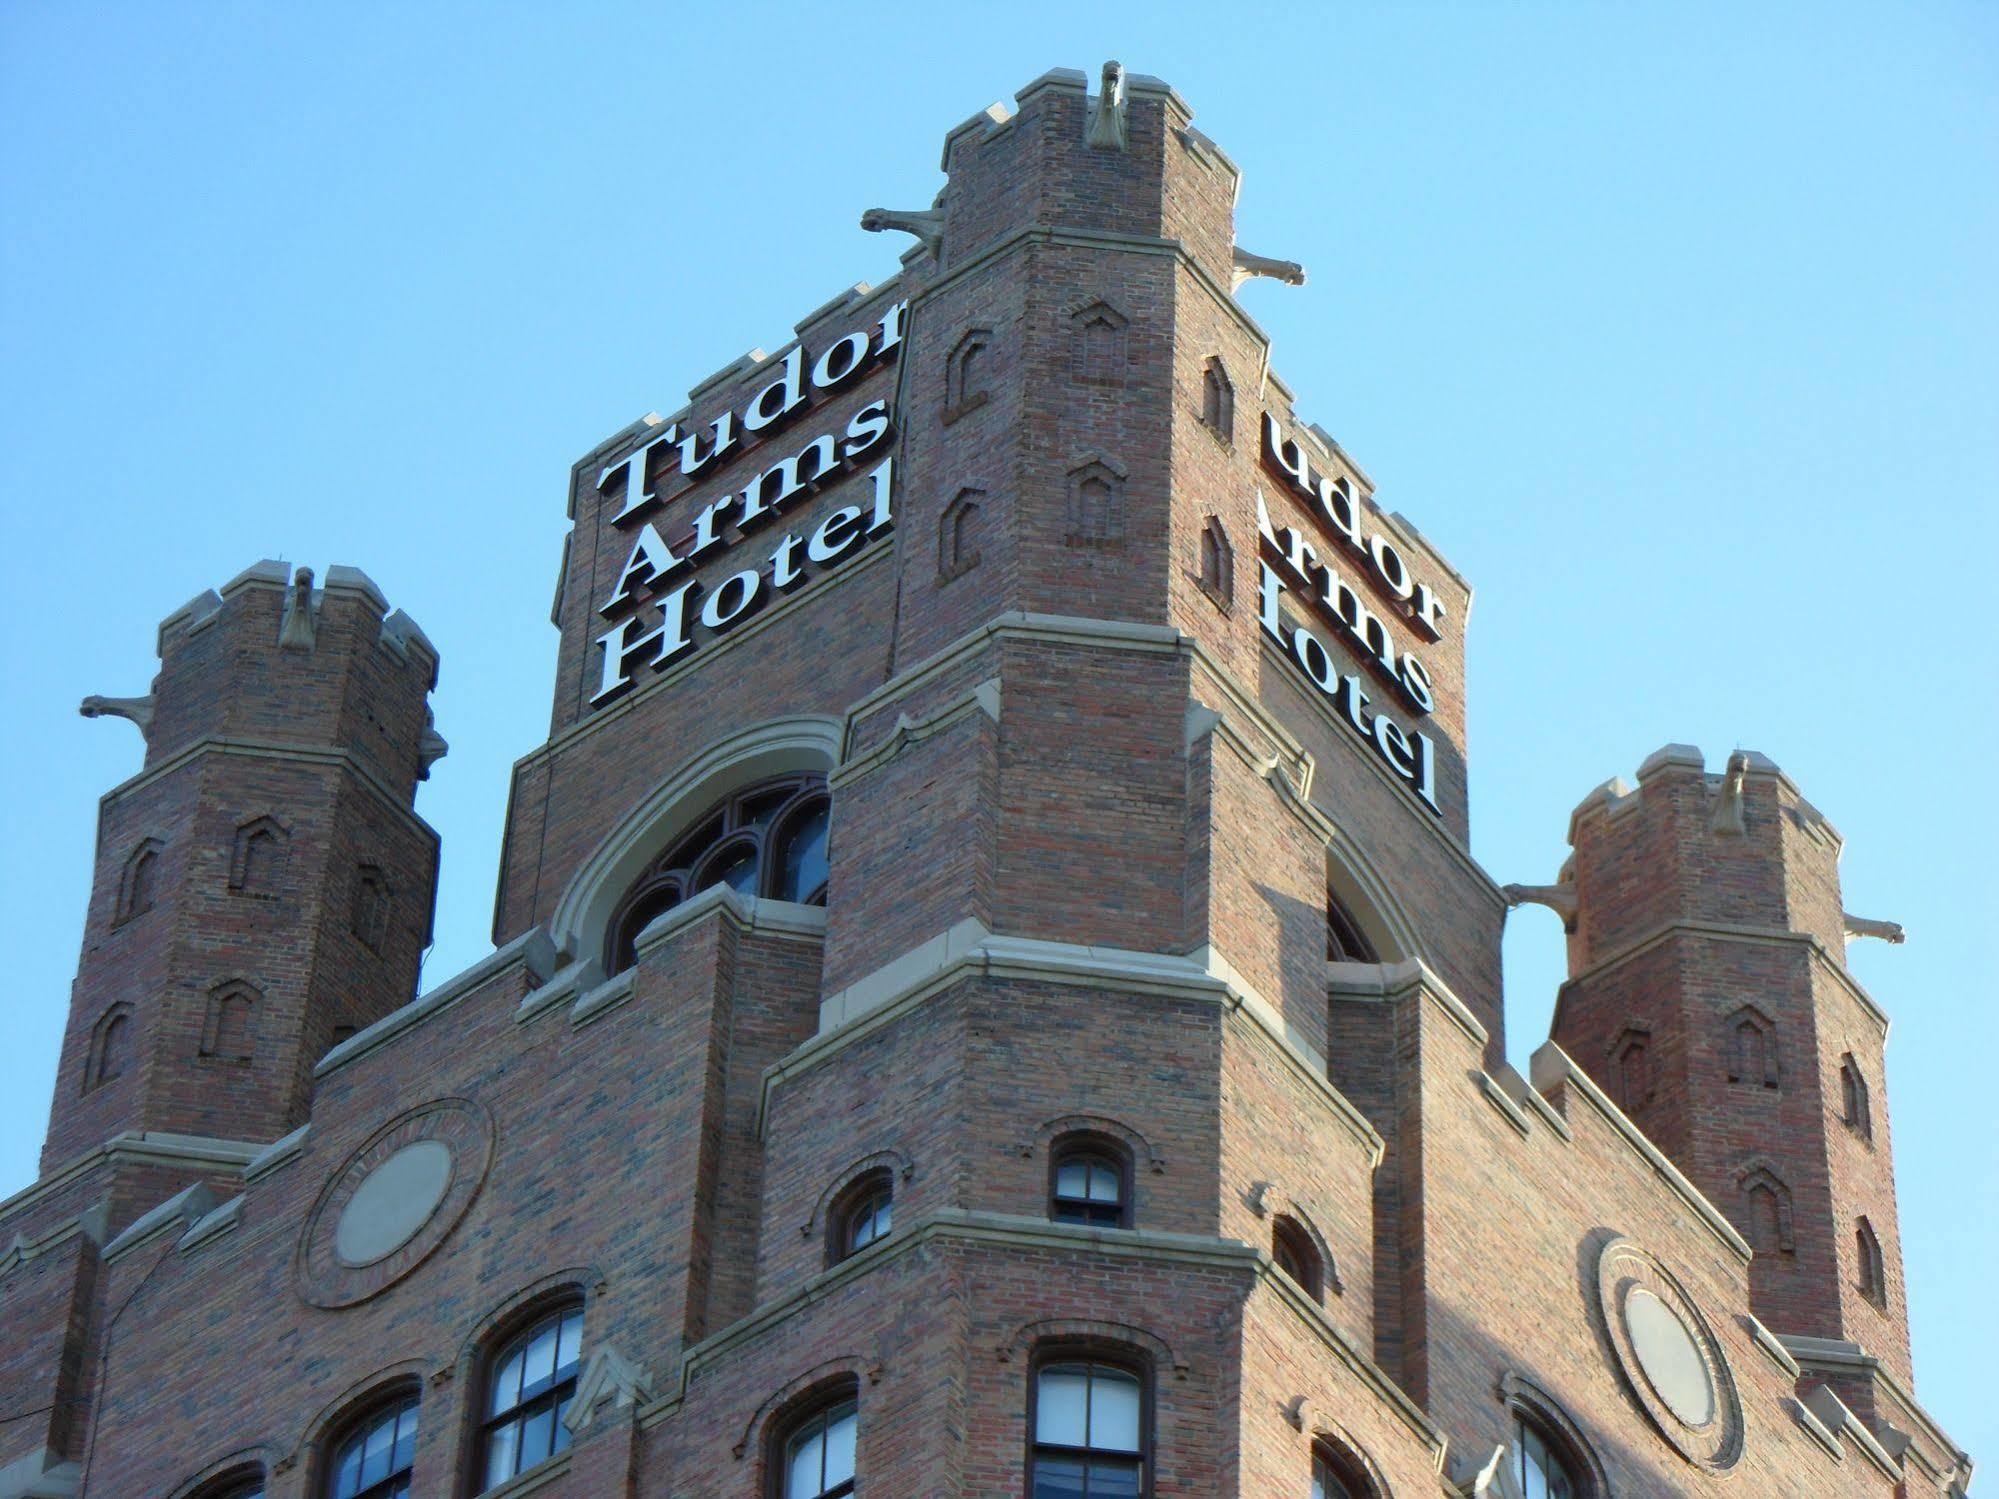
{"x": 238, "y": 1466}
{"x": 139, "y": 881}
{"x": 1030, "y": 1335}
{"x": 110, "y": 1050}
{"x": 259, "y": 857}
{"x": 898, "y": 1166}
{"x": 1270, "y": 1201}
{"x": 1523, "y": 1397}
{"x": 1142, "y": 1153}
{"x": 389, "y": 1382}
{"x": 1352, "y": 879}
{"x": 1760, "y": 1176}
{"x": 966, "y": 370}
{"x": 1095, "y": 507}
{"x": 958, "y": 533}
{"x": 1214, "y": 568}
{"x": 1751, "y": 1039}
{"x": 1098, "y": 341}
{"x": 804, "y": 1389}
{"x": 1218, "y": 400}
{"x": 574, "y": 1282}
{"x": 1633, "y": 1070}
{"x": 229, "y": 1026}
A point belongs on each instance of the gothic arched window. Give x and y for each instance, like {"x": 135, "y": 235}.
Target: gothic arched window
{"x": 141, "y": 877}
{"x": 768, "y": 840}
{"x": 1873, "y": 1268}
{"x": 1855, "y": 1107}
{"x": 110, "y": 1041}
{"x": 1218, "y": 401}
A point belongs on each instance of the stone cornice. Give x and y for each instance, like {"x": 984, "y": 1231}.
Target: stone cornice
{"x": 1553, "y": 1068}
{"x": 1719, "y": 931}
{"x": 311, "y": 754}
{"x": 204, "y": 1153}
{"x": 968, "y": 951}
{"x": 1013, "y": 1231}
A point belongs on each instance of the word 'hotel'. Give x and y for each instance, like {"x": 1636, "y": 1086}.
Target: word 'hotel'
{"x": 990, "y": 994}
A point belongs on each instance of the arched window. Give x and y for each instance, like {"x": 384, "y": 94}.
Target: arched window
{"x": 369, "y": 919}
{"x": 816, "y": 1458}
{"x": 1218, "y": 401}
{"x": 528, "y": 1387}
{"x": 1217, "y": 574}
{"x": 1338, "y": 1474}
{"x": 237, "y": 1485}
{"x": 1345, "y": 942}
{"x": 373, "y": 1456}
{"x": 229, "y": 1032}
{"x": 1855, "y": 1108}
{"x": 1293, "y": 1251}
{"x": 135, "y": 889}
{"x": 1089, "y": 1181}
{"x": 110, "y": 1041}
{"x": 768, "y": 840}
{"x": 1752, "y": 1056}
{"x": 1091, "y": 1428}
{"x": 257, "y": 866}
{"x": 1873, "y": 1269}
{"x": 862, "y": 1215}
{"x": 1542, "y": 1466}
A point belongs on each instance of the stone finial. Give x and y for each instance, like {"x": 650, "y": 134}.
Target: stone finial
{"x": 1867, "y": 926}
{"x": 927, "y": 224}
{"x": 1106, "y": 130}
{"x": 430, "y": 747}
{"x": 298, "y": 631}
{"x": 1561, "y": 899}
{"x": 609, "y": 1378}
{"x": 1727, "y": 817}
{"x": 138, "y": 709}
{"x": 1248, "y": 266}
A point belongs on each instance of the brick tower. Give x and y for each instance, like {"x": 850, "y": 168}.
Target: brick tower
{"x": 990, "y": 995}
{"x": 262, "y": 886}
{"x": 1709, "y": 994}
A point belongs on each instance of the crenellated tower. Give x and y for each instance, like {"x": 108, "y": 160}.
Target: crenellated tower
{"x": 1708, "y": 992}
{"x": 263, "y": 886}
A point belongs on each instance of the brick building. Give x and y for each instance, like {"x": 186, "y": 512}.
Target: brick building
{"x": 990, "y": 992}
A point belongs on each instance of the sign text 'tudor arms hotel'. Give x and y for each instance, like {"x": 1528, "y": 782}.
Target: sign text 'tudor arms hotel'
{"x": 690, "y": 612}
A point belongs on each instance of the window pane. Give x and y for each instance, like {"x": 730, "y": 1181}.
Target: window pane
{"x": 802, "y": 858}
{"x": 537, "y": 1436}
{"x": 840, "y": 1431}
{"x": 803, "y": 1466}
{"x": 540, "y": 1365}
{"x": 1072, "y": 1179}
{"x": 1057, "y": 1478}
{"x": 502, "y": 1448}
{"x": 1114, "y": 1480}
{"x": 347, "y": 1470}
{"x": 405, "y": 1448}
{"x": 376, "y": 1450}
{"x": 1103, "y": 1182}
{"x": 570, "y": 1348}
{"x": 506, "y": 1385}
{"x": 561, "y": 1431}
{"x": 1060, "y": 1407}
{"x": 1113, "y": 1411}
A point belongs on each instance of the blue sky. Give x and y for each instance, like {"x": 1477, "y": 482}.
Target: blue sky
{"x": 1673, "y": 325}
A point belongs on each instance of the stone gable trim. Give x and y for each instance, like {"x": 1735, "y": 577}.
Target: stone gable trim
{"x": 1772, "y": 1348}
{"x": 186, "y": 1207}
{"x": 1013, "y": 1231}
{"x": 217, "y": 744}
{"x": 203, "y": 1153}
{"x": 1716, "y": 931}
{"x": 89, "y": 1224}
{"x": 1815, "y": 1429}
{"x": 1553, "y": 1068}
{"x": 1839, "y": 1358}
{"x": 968, "y": 950}
{"x": 984, "y": 698}
{"x": 531, "y": 949}
{"x": 1841, "y": 1422}
{"x": 216, "y": 1221}
{"x": 280, "y": 1152}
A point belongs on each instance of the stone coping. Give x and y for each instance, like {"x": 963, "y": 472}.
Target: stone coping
{"x": 204, "y": 1153}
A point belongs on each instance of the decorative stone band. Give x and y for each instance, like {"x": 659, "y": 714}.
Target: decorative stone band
{"x": 1011, "y": 1231}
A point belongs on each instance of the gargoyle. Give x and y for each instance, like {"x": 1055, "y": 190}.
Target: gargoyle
{"x": 430, "y": 747}
{"x": 1248, "y": 266}
{"x": 298, "y": 630}
{"x": 138, "y": 709}
{"x": 1727, "y": 816}
{"x": 1866, "y": 926}
{"x": 926, "y": 224}
{"x": 1106, "y": 130}
{"x": 1561, "y": 899}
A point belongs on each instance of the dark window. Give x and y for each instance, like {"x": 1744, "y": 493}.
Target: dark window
{"x": 769, "y": 840}
{"x": 237, "y": 1486}
{"x": 372, "y": 1459}
{"x": 1634, "y": 1070}
{"x": 1089, "y": 1181}
{"x": 863, "y": 1215}
{"x": 816, "y": 1460}
{"x": 228, "y": 1035}
{"x": 109, "y": 1043}
{"x": 1217, "y": 574}
{"x": 1293, "y": 1251}
{"x": 1540, "y": 1467}
{"x": 1218, "y": 400}
{"x": 1345, "y": 942}
{"x": 1854, "y": 1103}
{"x": 1089, "y": 1425}
{"x": 1338, "y": 1475}
{"x": 529, "y": 1388}
{"x": 369, "y": 920}
{"x": 1753, "y": 1049}
{"x": 1873, "y": 1270}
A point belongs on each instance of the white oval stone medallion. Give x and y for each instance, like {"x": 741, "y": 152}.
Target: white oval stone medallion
{"x": 1668, "y": 1357}
{"x": 395, "y": 1200}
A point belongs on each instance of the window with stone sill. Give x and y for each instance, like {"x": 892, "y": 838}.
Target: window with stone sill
{"x": 374, "y": 1455}
{"x": 862, "y": 1215}
{"x": 1089, "y": 1182}
{"x": 529, "y": 1384}
{"x": 1090, "y": 1426}
{"x": 768, "y": 840}
{"x": 815, "y": 1459}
